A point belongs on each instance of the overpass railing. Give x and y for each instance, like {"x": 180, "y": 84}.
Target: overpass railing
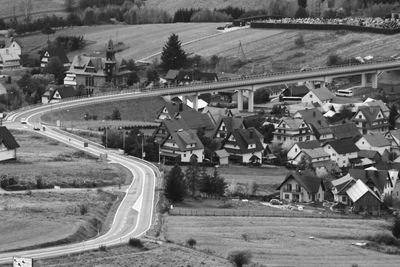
{"x": 209, "y": 84}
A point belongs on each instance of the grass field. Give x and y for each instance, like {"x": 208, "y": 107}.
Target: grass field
{"x": 144, "y": 109}
{"x": 166, "y": 255}
{"x": 58, "y": 164}
{"x": 43, "y": 217}
{"x": 284, "y": 241}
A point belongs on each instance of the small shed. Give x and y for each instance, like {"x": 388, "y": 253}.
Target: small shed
{"x": 222, "y": 156}
{"x": 364, "y": 199}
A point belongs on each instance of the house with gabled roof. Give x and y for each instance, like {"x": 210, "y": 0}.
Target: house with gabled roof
{"x": 339, "y": 188}
{"x": 298, "y": 147}
{"x": 317, "y": 122}
{"x": 294, "y": 93}
{"x": 393, "y": 137}
{"x": 290, "y": 131}
{"x": 301, "y": 187}
{"x": 244, "y": 146}
{"x": 377, "y": 103}
{"x": 52, "y": 52}
{"x": 169, "y": 110}
{"x": 341, "y": 151}
{"x": 321, "y": 96}
{"x": 373, "y": 141}
{"x": 227, "y": 125}
{"x": 379, "y": 181}
{"x": 58, "y": 93}
{"x": 166, "y": 127}
{"x": 179, "y": 144}
{"x": 196, "y": 121}
{"x": 8, "y": 145}
{"x": 216, "y": 113}
{"x": 371, "y": 119}
{"x": 345, "y": 130}
{"x": 368, "y": 158}
{"x": 364, "y": 199}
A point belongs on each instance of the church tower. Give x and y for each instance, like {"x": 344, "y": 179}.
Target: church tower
{"x": 110, "y": 64}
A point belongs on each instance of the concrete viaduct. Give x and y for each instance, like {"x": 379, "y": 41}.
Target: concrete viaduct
{"x": 368, "y": 71}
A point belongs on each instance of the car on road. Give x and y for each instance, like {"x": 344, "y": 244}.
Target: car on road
{"x": 36, "y": 128}
{"x": 24, "y": 121}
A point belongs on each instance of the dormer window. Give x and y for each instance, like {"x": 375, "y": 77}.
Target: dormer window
{"x": 360, "y": 116}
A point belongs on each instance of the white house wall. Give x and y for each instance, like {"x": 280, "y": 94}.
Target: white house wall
{"x": 8, "y": 154}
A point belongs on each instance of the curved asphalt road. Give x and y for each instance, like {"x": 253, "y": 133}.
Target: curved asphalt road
{"x": 134, "y": 215}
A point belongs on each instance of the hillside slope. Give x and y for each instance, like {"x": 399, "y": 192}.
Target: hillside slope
{"x": 38, "y": 6}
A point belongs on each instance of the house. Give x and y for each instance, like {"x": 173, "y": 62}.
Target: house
{"x": 244, "y": 146}
{"x": 181, "y": 77}
{"x": 371, "y": 119}
{"x": 9, "y": 60}
{"x": 196, "y": 121}
{"x": 227, "y": 125}
{"x": 54, "y": 52}
{"x": 298, "y": 147}
{"x": 179, "y": 144}
{"x": 321, "y": 96}
{"x": 8, "y": 145}
{"x": 373, "y": 141}
{"x": 294, "y": 93}
{"x": 368, "y": 158}
{"x": 377, "y": 103}
{"x": 393, "y": 137}
{"x": 301, "y": 187}
{"x": 379, "y": 181}
{"x": 318, "y": 159}
{"x": 56, "y": 94}
{"x": 339, "y": 188}
{"x": 290, "y": 131}
{"x": 169, "y": 110}
{"x": 216, "y": 113}
{"x": 364, "y": 199}
{"x": 95, "y": 72}
{"x": 341, "y": 151}
{"x": 317, "y": 122}
{"x": 344, "y": 131}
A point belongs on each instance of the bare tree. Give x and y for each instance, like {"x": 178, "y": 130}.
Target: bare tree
{"x": 26, "y": 8}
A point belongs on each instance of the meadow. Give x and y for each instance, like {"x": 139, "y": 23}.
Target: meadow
{"x": 284, "y": 241}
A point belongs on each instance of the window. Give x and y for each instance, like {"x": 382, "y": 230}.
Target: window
{"x": 344, "y": 199}
{"x": 289, "y": 187}
{"x": 360, "y": 116}
{"x": 300, "y": 138}
{"x": 286, "y": 196}
{"x": 297, "y": 187}
{"x": 295, "y": 150}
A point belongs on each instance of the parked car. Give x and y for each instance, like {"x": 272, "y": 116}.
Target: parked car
{"x": 275, "y": 201}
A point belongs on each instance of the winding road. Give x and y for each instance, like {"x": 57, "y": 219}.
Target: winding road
{"x": 135, "y": 213}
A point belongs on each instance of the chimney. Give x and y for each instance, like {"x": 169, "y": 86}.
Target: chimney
{"x": 180, "y": 106}
{"x": 314, "y": 113}
{"x": 251, "y": 134}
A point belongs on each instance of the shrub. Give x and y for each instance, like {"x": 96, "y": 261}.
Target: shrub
{"x": 299, "y": 41}
{"x": 246, "y": 237}
{"x": 135, "y": 242}
{"x": 240, "y": 258}
{"x": 384, "y": 239}
{"x": 83, "y": 209}
{"x": 396, "y": 228}
{"x": 191, "y": 242}
{"x": 103, "y": 248}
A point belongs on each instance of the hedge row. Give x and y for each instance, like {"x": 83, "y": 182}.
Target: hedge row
{"x": 329, "y": 27}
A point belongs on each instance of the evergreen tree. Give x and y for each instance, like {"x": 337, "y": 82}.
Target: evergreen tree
{"x": 173, "y": 56}
{"x": 192, "y": 177}
{"x": 392, "y": 117}
{"x": 175, "y": 188}
{"x": 218, "y": 184}
{"x": 205, "y": 182}
{"x": 116, "y": 115}
{"x": 56, "y": 67}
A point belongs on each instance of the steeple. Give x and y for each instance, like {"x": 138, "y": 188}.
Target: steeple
{"x": 110, "y": 51}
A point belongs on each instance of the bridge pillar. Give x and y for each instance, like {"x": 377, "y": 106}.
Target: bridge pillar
{"x": 196, "y": 102}
{"x": 364, "y": 80}
{"x": 251, "y": 101}
{"x": 240, "y": 100}
{"x": 374, "y": 80}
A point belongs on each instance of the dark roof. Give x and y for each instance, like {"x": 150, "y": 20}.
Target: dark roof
{"x": 316, "y": 119}
{"x": 307, "y": 180}
{"x": 64, "y": 91}
{"x": 378, "y": 178}
{"x": 58, "y": 52}
{"x": 309, "y": 144}
{"x": 343, "y": 131}
{"x": 171, "y": 74}
{"x": 173, "y": 108}
{"x": 231, "y": 124}
{"x": 370, "y": 154}
{"x": 370, "y": 113}
{"x": 7, "y": 138}
{"x": 244, "y": 138}
{"x": 298, "y": 90}
{"x": 376, "y": 139}
{"x": 183, "y": 138}
{"x": 175, "y": 125}
{"x": 196, "y": 120}
{"x": 343, "y": 146}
